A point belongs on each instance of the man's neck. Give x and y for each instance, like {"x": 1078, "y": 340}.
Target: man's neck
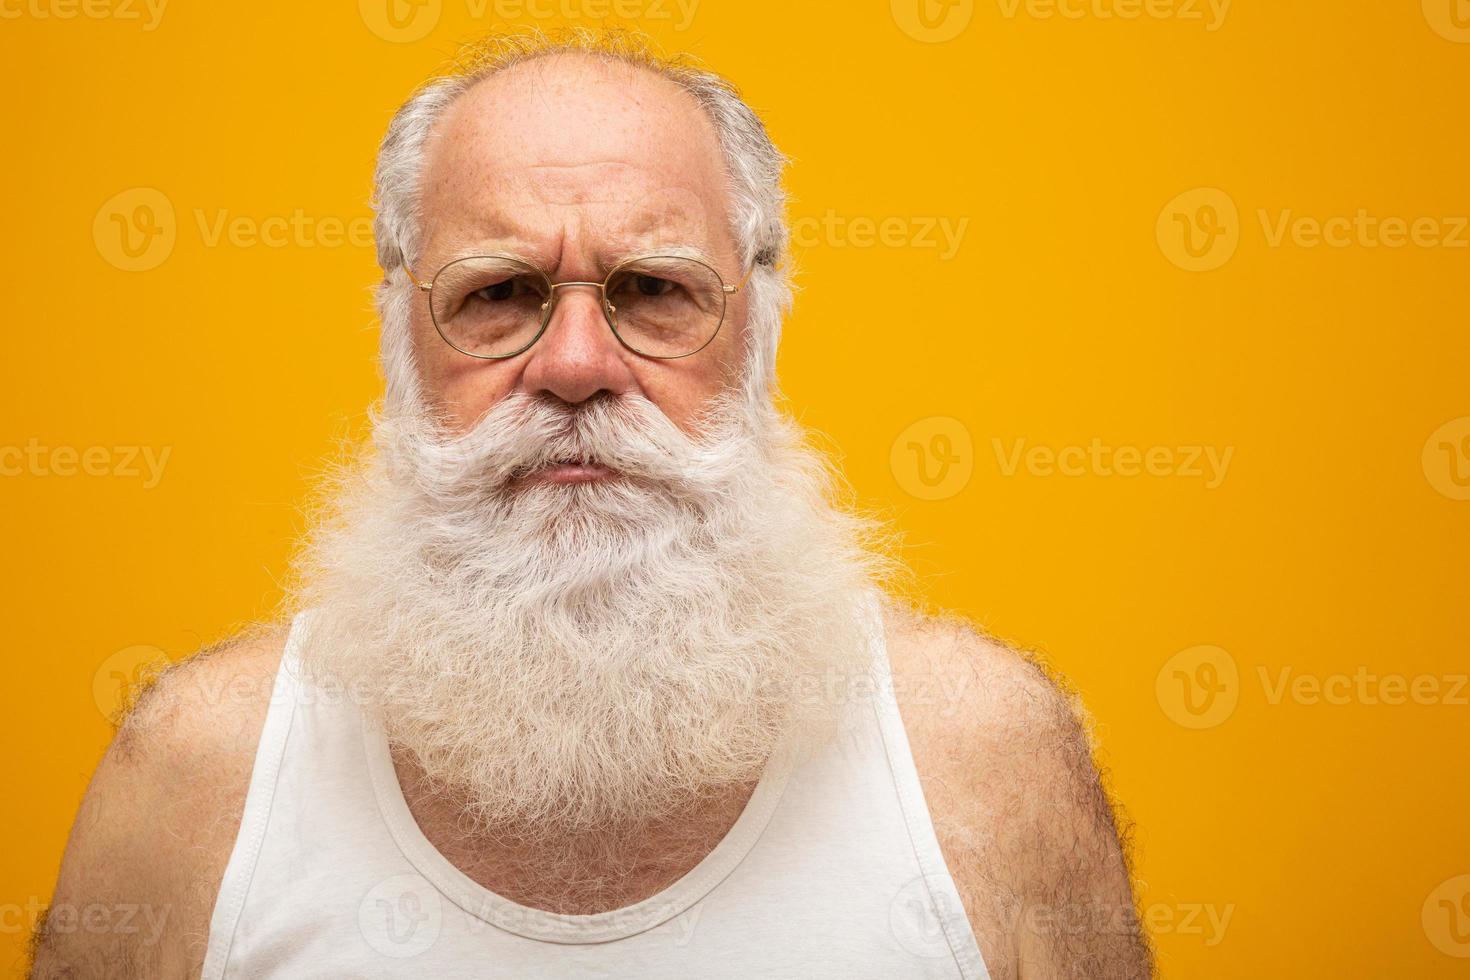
{"x": 574, "y": 873}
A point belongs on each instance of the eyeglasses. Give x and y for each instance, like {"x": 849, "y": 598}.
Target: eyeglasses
{"x": 495, "y": 306}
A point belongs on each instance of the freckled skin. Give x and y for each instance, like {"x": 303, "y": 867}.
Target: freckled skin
{"x": 573, "y": 164}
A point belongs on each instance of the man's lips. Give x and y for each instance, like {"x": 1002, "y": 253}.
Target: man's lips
{"x": 571, "y": 473}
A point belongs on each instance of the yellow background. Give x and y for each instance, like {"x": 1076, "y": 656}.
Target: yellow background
{"x": 1063, "y": 317}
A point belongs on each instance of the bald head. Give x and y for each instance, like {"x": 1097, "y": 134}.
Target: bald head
{"x": 569, "y": 149}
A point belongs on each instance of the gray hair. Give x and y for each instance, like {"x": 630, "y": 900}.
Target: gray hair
{"x": 753, "y": 168}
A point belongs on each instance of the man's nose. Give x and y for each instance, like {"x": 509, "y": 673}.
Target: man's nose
{"x": 577, "y": 356}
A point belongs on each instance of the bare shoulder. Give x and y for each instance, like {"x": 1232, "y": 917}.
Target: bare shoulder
{"x": 954, "y": 678}
{"x": 155, "y": 829}
{"x": 1006, "y": 762}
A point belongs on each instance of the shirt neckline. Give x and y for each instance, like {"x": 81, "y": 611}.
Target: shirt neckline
{"x": 555, "y": 927}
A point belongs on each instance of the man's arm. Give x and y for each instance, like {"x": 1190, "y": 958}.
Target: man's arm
{"x": 155, "y": 829}
{"x": 1022, "y": 817}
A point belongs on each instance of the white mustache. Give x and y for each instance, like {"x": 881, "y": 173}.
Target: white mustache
{"x": 524, "y": 433}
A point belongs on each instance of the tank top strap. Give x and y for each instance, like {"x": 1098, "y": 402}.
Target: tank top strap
{"x": 274, "y": 736}
{"x": 935, "y": 897}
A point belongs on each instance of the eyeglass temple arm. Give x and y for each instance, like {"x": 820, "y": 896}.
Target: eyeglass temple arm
{"x": 741, "y": 284}
{"x": 425, "y": 286}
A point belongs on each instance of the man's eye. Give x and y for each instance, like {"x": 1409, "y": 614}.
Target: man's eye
{"x": 653, "y": 285}
{"x": 496, "y": 292}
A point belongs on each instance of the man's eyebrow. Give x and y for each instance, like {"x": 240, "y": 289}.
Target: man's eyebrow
{"x": 606, "y": 258}
{"x": 512, "y": 247}
{"x": 633, "y": 251}
{"x": 473, "y": 234}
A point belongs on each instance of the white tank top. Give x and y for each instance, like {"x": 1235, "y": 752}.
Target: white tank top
{"x": 831, "y": 871}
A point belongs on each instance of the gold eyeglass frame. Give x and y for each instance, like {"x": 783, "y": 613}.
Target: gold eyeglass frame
{"x": 549, "y": 307}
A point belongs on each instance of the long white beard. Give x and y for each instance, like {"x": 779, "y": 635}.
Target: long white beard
{"x": 559, "y": 659}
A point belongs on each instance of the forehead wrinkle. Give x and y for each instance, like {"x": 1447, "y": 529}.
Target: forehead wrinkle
{"x": 570, "y": 228}
{"x": 576, "y": 183}
{"x": 590, "y": 219}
